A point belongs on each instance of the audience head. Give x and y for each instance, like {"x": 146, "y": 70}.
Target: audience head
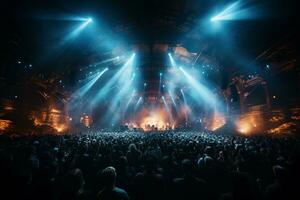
{"x": 217, "y": 155}
{"x": 279, "y": 172}
{"x": 150, "y": 163}
{"x": 132, "y": 147}
{"x": 187, "y": 167}
{"x": 74, "y": 181}
{"x": 109, "y": 176}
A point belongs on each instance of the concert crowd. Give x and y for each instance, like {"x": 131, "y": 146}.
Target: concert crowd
{"x": 149, "y": 166}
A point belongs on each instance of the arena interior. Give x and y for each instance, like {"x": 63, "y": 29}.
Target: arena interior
{"x": 150, "y": 100}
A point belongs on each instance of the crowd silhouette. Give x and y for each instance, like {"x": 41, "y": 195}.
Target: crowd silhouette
{"x": 149, "y": 166}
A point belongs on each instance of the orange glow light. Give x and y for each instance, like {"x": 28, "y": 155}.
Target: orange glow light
{"x": 285, "y": 128}
{"x": 4, "y": 124}
{"x": 157, "y": 118}
{"x": 54, "y": 119}
{"x": 249, "y": 123}
{"x": 217, "y": 121}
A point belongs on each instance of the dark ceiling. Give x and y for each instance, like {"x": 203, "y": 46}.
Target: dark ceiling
{"x": 31, "y": 31}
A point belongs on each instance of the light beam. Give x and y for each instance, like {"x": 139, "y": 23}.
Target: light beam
{"x": 173, "y": 63}
{"x": 235, "y": 11}
{"x": 84, "y": 89}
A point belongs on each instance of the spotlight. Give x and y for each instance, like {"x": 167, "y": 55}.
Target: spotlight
{"x": 120, "y": 77}
{"x": 138, "y": 103}
{"x": 172, "y": 98}
{"x": 199, "y": 89}
{"x": 89, "y": 20}
{"x": 160, "y": 74}
{"x": 173, "y": 63}
{"x": 167, "y": 108}
{"x": 214, "y": 19}
{"x": 76, "y": 32}
{"x": 236, "y": 11}
{"x": 227, "y": 13}
{"x": 85, "y": 88}
{"x": 130, "y": 99}
{"x": 105, "y": 61}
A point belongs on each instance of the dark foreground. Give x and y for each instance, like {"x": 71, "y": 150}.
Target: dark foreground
{"x": 181, "y": 165}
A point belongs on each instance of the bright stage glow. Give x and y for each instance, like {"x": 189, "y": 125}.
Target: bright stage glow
{"x": 235, "y": 11}
{"x": 249, "y": 123}
{"x": 215, "y": 122}
{"x": 155, "y": 118}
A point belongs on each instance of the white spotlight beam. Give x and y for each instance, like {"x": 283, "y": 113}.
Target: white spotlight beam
{"x": 106, "y": 61}
{"x": 84, "y": 89}
{"x": 62, "y": 18}
{"x": 126, "y": 85}
{"x": 138, "y": 103}
{"x": 235, "y": 11}
{"x": 159, "y": 86}
{"x": 203, "y": 92}
{"x": 75, "y": 32}
{"x": 172, "y": 98}
{"x": 226, "y": 12}
{"x": 167, "y": 108}
{"x": 173, "y": 63}
{"x": 129, "y": 101}
{"x": 183, "y": 96}
{"x": 104, "y": 91}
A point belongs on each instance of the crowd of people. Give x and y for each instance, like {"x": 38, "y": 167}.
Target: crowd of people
{"x": 143, "y": 166}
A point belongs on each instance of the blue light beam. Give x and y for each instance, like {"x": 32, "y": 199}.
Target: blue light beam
{"x": 76, "y": 32}
{"x": 235, "y": 11}
{"x": 105, "y": 90}
{"x": 203, "y": 92}
{"x": 138, "y": 103}
{"x": 172, "y": 98}
{"x": 167, "y": 108}
{"x": 173, "y": 63}
{"x": 85, "y": 88}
